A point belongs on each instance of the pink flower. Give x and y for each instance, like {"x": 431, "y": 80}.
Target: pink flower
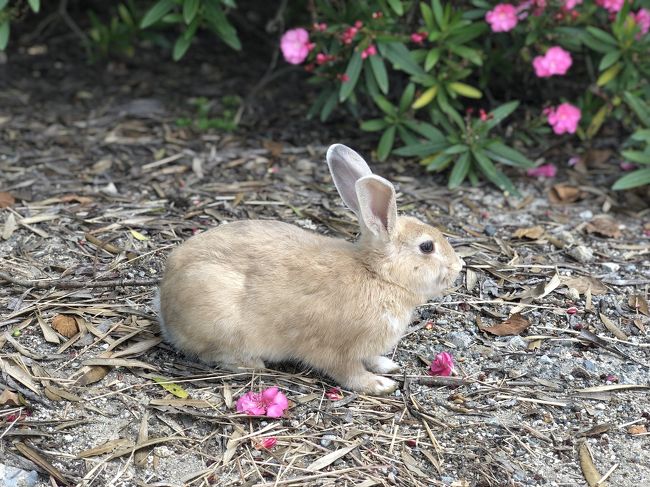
{"x": 334, "y": 394}
{"x": 571, "y": 4}
{"x": 295, "y": 45}
{"x": 320, "y": 27}
{"x": 555, "y": 61}
{"x": 564, "y": 118}
{"x": 443, "y": 364}
{"x": 502, "y": 18}
{"x": 267, "y": 443}
{"x": 322, "y": 58}
{"x": 627, "y": 166}
{"x": 544, "y": 171}
{"x": 348, "y": 36}
{"x": 642, "y": 19}
{"x": 612, "y": 6}
{"x": 343, "y": 77}
{"x": 418, "y": 37}
{"x": 371, "y": 50}
{"x": 270, "y": 402}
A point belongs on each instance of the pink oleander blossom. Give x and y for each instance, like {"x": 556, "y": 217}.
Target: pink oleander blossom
{"x": 371, "y": 50}
{"x": 543, "y": 171}
{"x": 555, "y": 61}
{"x": 295, "y": 45}
{"x": 612, "y": 6}
{"x": 571, "y": 4}
{"x": 642, "y": 19}
{"x": 502, "y": 18}
{"x": 270, "y": 402}
{"x": 442, "y": 365}
{"x": 564, "y": 118}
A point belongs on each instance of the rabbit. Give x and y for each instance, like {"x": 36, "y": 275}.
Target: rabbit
{"x": 251, "y": 292}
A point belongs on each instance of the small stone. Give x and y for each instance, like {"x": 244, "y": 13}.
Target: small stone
{"x": 582, "y": 254}
{"x": 326, "y": 440}
{"x": 459, "y": 339}
{"x": 16, "y": 477}
{"x": 611, "y": 266}
{"x": 590, "y": 366}
{"x": 490, "y": 230}
{"x": 517, "y": 343}
{"x": 545, "y": 359}
{"x": 586, "y": 215}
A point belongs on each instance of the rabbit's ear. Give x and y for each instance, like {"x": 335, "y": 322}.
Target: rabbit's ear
{"x": 377, "y": 205}
{"x": 346, "y": 167}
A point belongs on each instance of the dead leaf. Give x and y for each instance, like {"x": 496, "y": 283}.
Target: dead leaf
{"x": 604, "y": 226}
{"x": 612, "y": 327}
{"x": 412, "y": 464}
{"x": 471, "y": 279}
{"x": 10, "y": 367}
{"x": 598, "y": 157}
{"x": 599, "y": 429}
{"x": 58, "y": 394}
{"x": 153, "y": 441}
{"x": 119, "y": 362}
{"x": 564, "y": 193}
{"x": 584, "y": 283}
{"x": 69, "y": 198}
{"x": 275, "y": 148}
{"x": 534, "y": 345}
{"x": 92, "y": 375}
{"x": 169, "y": 386}
{"x": 330, "y": 458}
{"x": 107, "y": 447}
{"x": 66, "y": 325}
{"x": 639, "y": 324}
{"x": 512, "y": 326}
{"x": 638, "y": 302}
{"x": 9, "y": 227}
{"x": 36, "y": 457}
{"x": 12, "y": 399}
{"x": 532, "y": 233}
{"x": 48, "y": 332}
{"x": 637, "y": 429}
{"x": 592, "y": 476}
{"x": 231, "y": 446}
{"x": 140, "y": 456}
{"x": 6, "y": 199}
{"x": 613, "y": 387}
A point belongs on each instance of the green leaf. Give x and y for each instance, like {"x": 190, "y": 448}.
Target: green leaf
{"x": 609, "y": 59}
{"x": 502, "y": 112}
{"x": 190, "y": 8}
{"x": 639, "y": 107}
{"x": 443, "y": 102}
{"x": 379, "y": 71}
{"x": 353, "y": 71}
{"x": 180, "y": 46}
{"x": 374, "y": 125}
{"x": 456, "y": 149}
{"x": 407, "y": 98}
{"x": 602, "y": 36}
{"x": 427, "y": 16}
{"x": 4, "y": 35}
{"x": 219, "y": 22}
{"x": 459, "y": 173}
{"x": 385, "y": 106}
{"x": 641, "y": 135}
{"x": 396, "y": 5}
{"x": 432, "y": 58}
{"x": 157, "y": 12}
{"x": 35, "y": 5}
{"x": 464, "y": 90}
{"x": 386, "y": 143}
{"x": 636, "y": 156}
{"x": 492, "y": 173}
{"x": 471, "y": 55}
{"x": 513, "y": 156}
{"x": 426, "y": 129}
{"x": 437, "y": 12}
{"x": 3, "y": 3}
{"x": 637, "y": 178}
{"x": 468, "y": 33}
{"x": 371, "y": 83}
{"x": 438, "y": 163}
{"x": 595, "y": 44}
{"x": 401, "y": 58}
{"x": 328, "y": 106}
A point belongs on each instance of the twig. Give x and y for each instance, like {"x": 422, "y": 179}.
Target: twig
{"x": 68, "y": 284}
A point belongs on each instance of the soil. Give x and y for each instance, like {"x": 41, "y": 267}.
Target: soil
{"x": 104, "y": 183}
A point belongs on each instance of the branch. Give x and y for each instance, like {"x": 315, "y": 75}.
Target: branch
{"x": 69, "y": 284}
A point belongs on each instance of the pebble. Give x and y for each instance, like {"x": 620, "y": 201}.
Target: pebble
{"x": 326, "y": 440}
{"x": 17, "y": 477}
{"x": 490, "y": 230}
{"x": 545, "y": 359}
{"x": 586, "y": 215}
{"x": 459, "y": 339}
{"x": 517, "y": 343}
{"x": 582, "y": 254}
{"x": 611, "y": 266}
{"x": 589, "y": 365}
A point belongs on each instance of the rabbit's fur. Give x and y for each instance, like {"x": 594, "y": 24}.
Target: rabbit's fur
{"x": 254, "y": 291}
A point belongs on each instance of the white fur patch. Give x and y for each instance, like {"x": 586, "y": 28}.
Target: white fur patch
{"x": 397, "y": 324}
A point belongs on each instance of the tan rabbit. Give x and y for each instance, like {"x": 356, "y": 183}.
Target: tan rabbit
{"x": 252, "y": 292}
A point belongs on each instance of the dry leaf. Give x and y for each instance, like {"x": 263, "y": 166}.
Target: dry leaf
{"x": 612, "y": 387}
{"x": 330, "y": 458}
{"x": 169, "y": 386}
{"x": 592, "y": 476}
{"x": 275, "y": 148}
{"x": 639, "y": 324}
{"x": 69, "y": 198}
{"x": 638, "y": 302}
{"x": 107, "y": 447}
{"x": 92, "y": 375}
{"x": 57, "y": 394}
{"x": 604, "y": 226}
{"x": 637, "y": 429}
{"x": 582, "y": 284}
{"x": 66, "y": 325}
{"x": 6, "y": 199}
{"x": 10, "y": 367}
{"x": 119, "y": 362}
{"x": 138, "y": 236}
{"x": 564, "y": 193}
{"x": 532, "y": 233}
{"x": 535, "y": 344}
{"x": 12, "y": 399}
{"x": 612, "y": 327}
{"x": 140, "y": 457}
{"x": 512, "y": 326}
{"x": 599, "y": 429}
{"x": 48, "y": 332}
{"x": 471, "y": 279}
{"x": 9, "y": 227}
{"x": 231, "y": 446}
{"x": 35, "y": 457}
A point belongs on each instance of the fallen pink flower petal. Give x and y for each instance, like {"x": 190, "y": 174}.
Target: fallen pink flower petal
{"x": 442, "y": 365}
{"x": 611, "y": 378}
{"x": 572, "y": 310}
{"x": 270, "y": 402}
{"x": 334, "y": 394}
{"x": 544, "y": 171}
{"x": 267, "y": 443}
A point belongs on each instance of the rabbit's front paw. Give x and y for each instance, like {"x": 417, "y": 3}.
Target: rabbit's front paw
{"x": 380, "y": 386}
{"x": 381, "y": 365}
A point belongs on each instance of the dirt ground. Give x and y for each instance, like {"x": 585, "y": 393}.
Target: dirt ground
{"x": 98, "y": 183}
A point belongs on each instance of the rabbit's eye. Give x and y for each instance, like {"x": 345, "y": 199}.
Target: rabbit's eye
{"x": 426, "y": 247}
